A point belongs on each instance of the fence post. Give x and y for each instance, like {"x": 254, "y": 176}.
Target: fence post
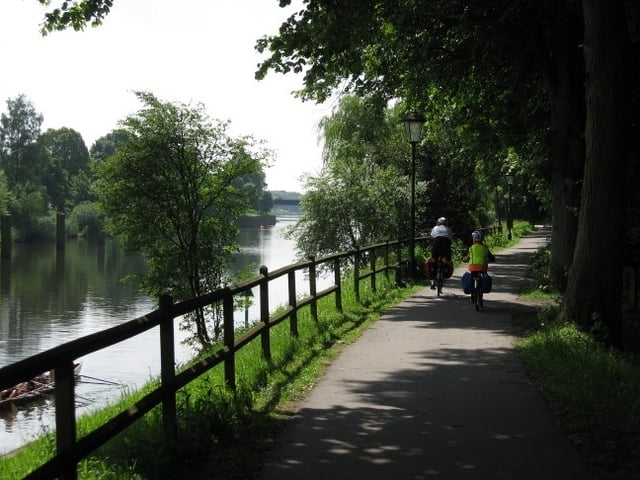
{"x": 168, "y": 371}
{"x": 312, "y": 288}
{"x": 399, "y": 263}
{"x": 386, "y": 259}
{"x": 356, "y": 274}
{"x": 372, "y": 265}
{"x": 66, "y": 416}
{"x": 229, "y": 339}
{"x": 264, "y": 312}
{"x": 293, "y": 301}
{"x": 337, "y": 279}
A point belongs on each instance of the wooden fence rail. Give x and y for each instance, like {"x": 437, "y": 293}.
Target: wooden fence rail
{"x": 70, "y": 450}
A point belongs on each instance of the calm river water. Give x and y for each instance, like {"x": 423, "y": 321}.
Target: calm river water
{"x": 47, "y": 299}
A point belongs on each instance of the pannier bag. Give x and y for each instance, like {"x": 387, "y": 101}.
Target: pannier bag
{"x": 431, "y": 265}
{"x": 467, "y": 283}
{"x": 486, "y": 283}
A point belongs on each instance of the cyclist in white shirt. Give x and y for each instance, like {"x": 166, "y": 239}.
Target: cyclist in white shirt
{"x": 441, "y": 236}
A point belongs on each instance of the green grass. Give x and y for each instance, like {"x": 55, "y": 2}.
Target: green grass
{"x": 594, "y": 392}
{"x": 219, "y": 429}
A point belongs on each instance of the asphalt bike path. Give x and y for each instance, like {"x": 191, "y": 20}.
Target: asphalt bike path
{"x": 432, "y": 390}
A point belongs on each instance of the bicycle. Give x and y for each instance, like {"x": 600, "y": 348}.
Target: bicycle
{"x": 441, "y": 271}
{"x": 476, "y": 290}
{"x": 440, "y": 275}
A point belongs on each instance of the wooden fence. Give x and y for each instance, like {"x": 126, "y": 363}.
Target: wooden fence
{"x": 367, "y": 262}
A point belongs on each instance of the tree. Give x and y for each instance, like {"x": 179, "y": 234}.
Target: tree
{"x": 68, "y": 166}
{"x": 265, "y": 203}
{"x": 254, "y": 186}
{"x": 107, "y": 145}
{"x": 520, "y": 63}
{"x": 358, "y": 198}
{"x": 19, "y": 129}
{"x": 602, "y": 220}
{"x": 169, "y": 191}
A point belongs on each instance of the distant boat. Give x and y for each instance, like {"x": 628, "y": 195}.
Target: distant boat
{"x": 31, "y": 389}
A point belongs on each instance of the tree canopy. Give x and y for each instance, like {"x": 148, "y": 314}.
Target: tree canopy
{"x": 547, "y": 89}
{"x": 516, "y": 74}
{"x": 74, "y": 13}
{"x": 170, "y": 192}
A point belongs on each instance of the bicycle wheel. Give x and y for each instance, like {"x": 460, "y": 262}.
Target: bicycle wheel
{"x": 439, "y": 280}
{"x": 477, "y": 292}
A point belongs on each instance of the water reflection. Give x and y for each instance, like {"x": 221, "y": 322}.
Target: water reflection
{"x": 48, "y": 298}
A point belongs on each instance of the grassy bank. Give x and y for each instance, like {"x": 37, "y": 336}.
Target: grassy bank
{"x": 593, "y": 390}
{"x": 594, "y": 393}
{"x": 222, "y": 432}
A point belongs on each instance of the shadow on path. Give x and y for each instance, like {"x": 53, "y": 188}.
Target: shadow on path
{"x": 433, "y": 389}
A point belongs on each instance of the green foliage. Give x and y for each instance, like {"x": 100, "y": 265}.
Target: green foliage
{"x": 595, "y": 393}
{"x": 86, "y": 219}
{"x": 19, "y": 130}
{"x": 68, "y": 167}
{"x": 358, "y": 197}
{"x": 172, "y": 191}
{"x": 45, "y": 173}
{"x": 265, "y": 202}
{"x": 254, "y": 185}
{"x": 107, "y": 145}
{"x": 281, "y": 194}
{"x": 4, "y": 193}
{"x": 486, "y": 106}
{"x": 75, "y": 14}
{"x": 540, "y": 268}
{"x": 29, "y": 215}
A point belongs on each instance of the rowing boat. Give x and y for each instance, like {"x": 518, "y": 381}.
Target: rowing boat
{"x": 31, "y": 389}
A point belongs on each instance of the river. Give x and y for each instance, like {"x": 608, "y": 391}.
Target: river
{"x": 48, "y": 298}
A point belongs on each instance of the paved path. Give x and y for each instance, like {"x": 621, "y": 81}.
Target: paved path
{"x": 433, "y": 390}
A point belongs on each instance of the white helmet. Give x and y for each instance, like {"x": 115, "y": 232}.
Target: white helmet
{"x": 441, "y": 221}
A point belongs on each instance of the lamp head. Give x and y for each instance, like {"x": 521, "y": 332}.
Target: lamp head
{"x": 414, "y": 126}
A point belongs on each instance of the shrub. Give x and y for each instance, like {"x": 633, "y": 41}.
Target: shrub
{"x": 85, "y": 219}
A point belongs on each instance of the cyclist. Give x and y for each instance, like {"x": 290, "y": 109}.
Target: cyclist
{"x": 479, "y": 255}
{"x": 441, "y": 236}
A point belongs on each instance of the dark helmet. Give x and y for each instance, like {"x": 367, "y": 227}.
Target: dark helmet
{"x": 441, "y": 221}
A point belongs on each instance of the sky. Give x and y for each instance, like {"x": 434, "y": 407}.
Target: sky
{"x": 189, "y": 51}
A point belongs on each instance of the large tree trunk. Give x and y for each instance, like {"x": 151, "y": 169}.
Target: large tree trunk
{"x": 594, "y": 289}
{"x": 566, "y": 91}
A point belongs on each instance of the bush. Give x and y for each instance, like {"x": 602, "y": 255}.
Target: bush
{"x": 85, "y": 219}
{"x": 30, "y": 217}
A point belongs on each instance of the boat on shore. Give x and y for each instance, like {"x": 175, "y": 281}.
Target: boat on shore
{"x": 33, "y": 389}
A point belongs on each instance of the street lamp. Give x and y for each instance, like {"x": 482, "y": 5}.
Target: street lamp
{"x": 413, "y": 127}
{"x": 510, "y": 179}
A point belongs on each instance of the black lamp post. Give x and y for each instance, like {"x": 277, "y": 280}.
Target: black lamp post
{"x": 510, "y": 179}
{"x": 414, "y": 127}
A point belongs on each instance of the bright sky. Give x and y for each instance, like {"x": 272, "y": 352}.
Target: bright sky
{"x": 180, "y": 50}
